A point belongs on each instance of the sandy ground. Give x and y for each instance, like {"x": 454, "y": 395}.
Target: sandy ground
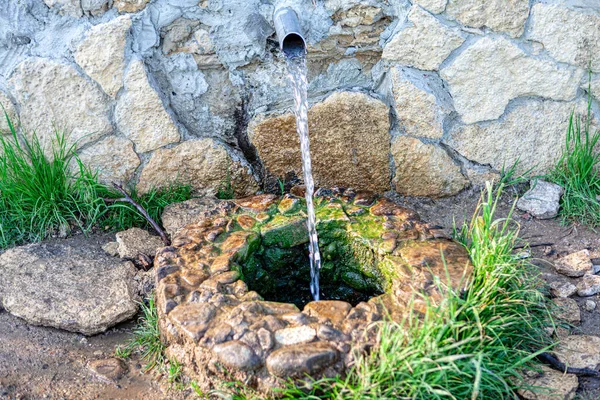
{"x": 45, "y": 363}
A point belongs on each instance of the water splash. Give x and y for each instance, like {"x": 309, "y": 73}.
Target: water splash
{"x": 296, "y": 64}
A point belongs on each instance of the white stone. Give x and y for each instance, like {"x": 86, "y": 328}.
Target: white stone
{"x": 433, "y": 6}
{"x": 579, "y": 351}
{"x": 7, "y": 106}
{"x": 492, "y": 71}
{"x": 499, "y": 15}
{"x": 569, "y": 35}
{"x": 419, "y": 102}
{"x": 575, "y": 264}
{"x": 589, "y": 285}
{"x": 424, "y": 42}
{"x": 542, "y": 200}
{"x": 295, "y": 335}
{"x": 562, "y": 289}
{"x": 532, "y": 132}
{"x": 102, "y": 53}
{"x": 424, "y": 169}
{"x": 53, "y": 95}
{"x": 204, "y": 164}
{"x": 140, "y": 113}
{"x": 66, "y": 7}
{"x": 113, "y": 158}
{"x": 589, "y": 305}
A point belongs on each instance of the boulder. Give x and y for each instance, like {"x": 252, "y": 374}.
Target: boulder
{"x": 205, "y": 164}
{"x": 349, "y": 142}
{"x": 177, "y": 215}
{"x": 424, "y": 42}
{"x": 492, "y": 71}
{"x": 570, "y": 35}
{"x": 535, "y": 143}
{"x": 53, "y": 95}
{"x": 542, "y": 200}
{"x": 67, "y": 285}
{"x": 113, "y": 158}
{"x": 140, "y": 114}
{"x": 424, "y": 169}
{"x": 102, "y": 53}
{"x": 507, "y": 16}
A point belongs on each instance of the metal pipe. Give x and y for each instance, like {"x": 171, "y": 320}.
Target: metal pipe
{"x": 289, "y": 33}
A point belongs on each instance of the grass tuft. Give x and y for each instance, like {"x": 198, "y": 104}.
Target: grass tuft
{"x": 473, "y": 346}
{"x": 577, "y": 171}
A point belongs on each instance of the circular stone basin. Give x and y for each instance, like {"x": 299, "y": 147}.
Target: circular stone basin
{"x": 233, "y": 293}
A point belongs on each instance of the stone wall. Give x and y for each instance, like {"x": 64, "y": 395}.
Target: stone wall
{"x": 425, "y": 96}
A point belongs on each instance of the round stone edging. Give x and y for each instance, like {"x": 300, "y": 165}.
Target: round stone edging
{"x": 219, "y": 330}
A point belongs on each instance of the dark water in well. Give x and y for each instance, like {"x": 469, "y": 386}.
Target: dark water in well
{"x": 297, "y": 73}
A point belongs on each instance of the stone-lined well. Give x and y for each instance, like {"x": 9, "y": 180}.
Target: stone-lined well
{"x": 218, "y": 282}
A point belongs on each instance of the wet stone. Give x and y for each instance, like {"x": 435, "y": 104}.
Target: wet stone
{"x": 109, "y": 369}
{"x": 193, "y": 318}
{"x": 246, "y": 221}
{"x": 289, "y": 205}
{"x": 236, "y": 355}
{"x": 299, "y": 360}
{"x": 296, "y": 335}
{"x": 364, "y": 198}
{"x": 258, "y": 203}
{"x": 333, "y": 310}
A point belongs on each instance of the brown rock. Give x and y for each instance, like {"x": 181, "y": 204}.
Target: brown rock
{"x": 579, "y": 351}
{"x": 193, "y": 318}
{"x": 130, "y": 6}
{"x": 575, "y": 264}
{"x": 237, "y": 355}
{"x": 302, "y": 359}
{"x": 136, "y": 241}
{"x": 204, "y": 164}
{"x": 425, "y": 169}
{"x": 349, "y": 142}
{"x": 177, "y": 215}
{"x": 555, "y": 385}
{"x": 333, "y": 310}
{"x": 568, "y": 310}
{"x": 110, "y": 369}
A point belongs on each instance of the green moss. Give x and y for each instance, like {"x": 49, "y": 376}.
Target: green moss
{"x": 285, "y": 232}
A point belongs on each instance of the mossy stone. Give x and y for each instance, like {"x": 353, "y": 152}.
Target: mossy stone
{"x": 285, "y": 232}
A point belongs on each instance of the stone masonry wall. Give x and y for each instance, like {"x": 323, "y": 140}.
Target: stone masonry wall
{"x": 425, "y": 96}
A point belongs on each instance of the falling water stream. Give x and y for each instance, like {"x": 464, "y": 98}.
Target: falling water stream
{"x": 296, "y": 63}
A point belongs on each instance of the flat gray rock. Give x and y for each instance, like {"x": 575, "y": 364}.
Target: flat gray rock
{"x": 70, "y": 284}
{"x": 542, "y": 200}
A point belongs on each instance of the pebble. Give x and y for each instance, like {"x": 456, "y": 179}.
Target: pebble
{"x": 541, "y": 200}
{"x": 589, "y": 305}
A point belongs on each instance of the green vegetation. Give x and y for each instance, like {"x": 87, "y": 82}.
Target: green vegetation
{"x": 577, "y": 171}
{"x": 510, "y": 177}
{"x": 226, "y": 190}
{"x": 473, "y": 346}
{"x": 146, "y": 339}
{"x": 43, "y": 196}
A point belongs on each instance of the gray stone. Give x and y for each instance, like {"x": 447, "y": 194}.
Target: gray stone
{"x": 66, "y": 7}
{"x": 301, "y": 359}
{"x": 102, "y": 53}
{"x": 493, "y": 70}
{"x": 140, "y": 113}
{"x": 113, "y": 158}
{"x": 7, "y": 106}
{"x": 423, "y": 42}
{"x": 589, "y": 285}
{"x": 67, "y": 285}
{"x": 575, "y": 264}
{"x": 499, "y": 15}
{"x": 554, "y": 385}
{"x": 542, "y": 200}
{"x": 177, "y": 215}
{"x": 570, "y": 35}
{"x": 567, "y": 310}
{"x": 135, "y": 241}
{"x": 562, "y": 289}
{"x": 53, "y": 95}
{"x": 237, "y": 355}
{"x": 111, "y": 248}
{"x": 589, "y": 305}
{"x": 300, "y": 334}
{"x": 579, "y": 351}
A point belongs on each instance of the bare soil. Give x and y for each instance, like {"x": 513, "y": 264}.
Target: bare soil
{"x": 45, "y": 363}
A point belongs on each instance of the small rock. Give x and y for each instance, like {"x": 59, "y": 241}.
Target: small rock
{"x": 334, "y": 310}
{"x": 111, "y": 248}
{"x": 542, "y": 200}
{"x": 562, "y": 289}
{"x": 177, "y": 215}
{"x": 568, "y": 310}
{"x": 589, "y": 305}
{"x": 110, "y": 369}
{"x": 302, "y": 359}
{"x": 579, "y": 351}
{"x": 556, "y": 384}
{"x": 299, "y": 334}
{"x": 575, "y": 264}
{"x": 136, "y": 241}
{"x": 589, "y": 285}
{"x": 237, "y": 355}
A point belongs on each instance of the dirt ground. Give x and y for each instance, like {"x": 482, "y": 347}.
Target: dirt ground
{"x": 45, "y": 363}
